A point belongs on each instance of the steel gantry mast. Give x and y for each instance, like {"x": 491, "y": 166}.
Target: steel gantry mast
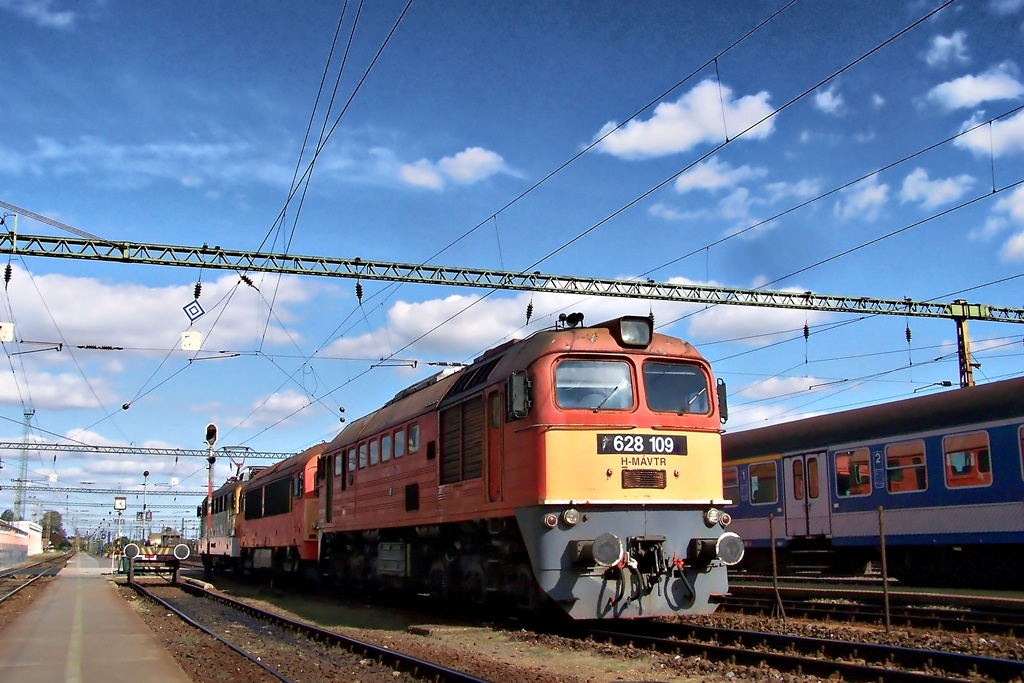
{"x": 358, "y": 269}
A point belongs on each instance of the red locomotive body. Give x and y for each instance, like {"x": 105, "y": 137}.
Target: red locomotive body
{"x": 581, "y": 463}
{"x": 277, "y": 515}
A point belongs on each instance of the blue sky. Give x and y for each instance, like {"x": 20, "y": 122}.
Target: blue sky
{"x": 183, "y": 123}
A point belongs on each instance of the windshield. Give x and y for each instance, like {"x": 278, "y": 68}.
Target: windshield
{"x": 593, "y": 384}
{"x": 676, "y": 388}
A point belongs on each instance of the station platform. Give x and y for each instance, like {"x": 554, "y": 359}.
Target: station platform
{"x": 81, "y": 631}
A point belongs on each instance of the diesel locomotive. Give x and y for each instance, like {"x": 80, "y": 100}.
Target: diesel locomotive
{"x": 580, "y": 466}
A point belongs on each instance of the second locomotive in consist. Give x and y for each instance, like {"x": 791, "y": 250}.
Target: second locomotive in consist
{"x": 582, "y": 464}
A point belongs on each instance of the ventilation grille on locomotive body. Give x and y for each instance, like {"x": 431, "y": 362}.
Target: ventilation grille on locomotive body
{"x": 643, "y": 479}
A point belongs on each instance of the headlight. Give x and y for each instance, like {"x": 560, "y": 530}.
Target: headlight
{"x": 712, "y": 516}
{"x": 729, "y": 548}
{"x": 571, "y": 517}
{"x": 608, "y": 550}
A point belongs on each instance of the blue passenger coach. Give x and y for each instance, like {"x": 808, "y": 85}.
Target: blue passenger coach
{"x": 947, "y": 468}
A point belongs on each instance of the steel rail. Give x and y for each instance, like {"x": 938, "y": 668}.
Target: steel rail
{"x": 355, "y": 268}
{"x": 820, "y": 656}
{"x": 188, "y": 620}
{"x": 417, "y": 667}
{"x": 14, "y": 571}
{"x": 957, "y": 619}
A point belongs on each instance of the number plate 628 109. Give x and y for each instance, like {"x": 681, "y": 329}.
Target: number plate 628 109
{"x": 645, "y": 444}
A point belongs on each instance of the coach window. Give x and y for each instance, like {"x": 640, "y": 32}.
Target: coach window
{"x": 731, "y": 485}
{"x": 414, "y": 438}
{"x": 352, "y": 459}
{"x": 812, "y": 478}
{"x": 905, "y": 466}
{"x": 363, "y": 450}
{"x": 385, "y": 448}
{"x": 399, "y": 443}
{"x": 374, "y": 452}
{"x": 339, "y": 465}
{"x": 763, "y": 483}
{"x": 967, "y": 460}
{"x": 593, "y": 385}
{"x": 853, "y": 473}
{"x": 798, "y": 479}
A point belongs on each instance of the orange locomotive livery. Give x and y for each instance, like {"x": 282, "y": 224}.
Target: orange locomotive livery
{"x": 582, "y": 464}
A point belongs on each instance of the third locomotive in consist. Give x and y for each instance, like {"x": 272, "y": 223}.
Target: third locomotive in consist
{"x": 579, "y": 466}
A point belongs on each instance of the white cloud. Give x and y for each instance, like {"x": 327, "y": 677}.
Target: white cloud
{"x": 471, "y": 165}
{"x": 828, "y": 101}
{"x": 694, "y": 118}
{"x": 1004, "y": 7}
{"x": 131, "y": 166}
{"x": 993, "y": 226}
{"x": 865, "y": 200}
{"x": 998, "y": 83}
{"x": 801, "y": 189}
{"x": 713, "y": 175}
{"x": 41, "y": 12}
{"x": 669, "y": 213}
{"x": 281, "y": 405}
{"x": 421, "y": 174}
{"x": 88, "y": 311}
{"x": 736, "y": 204}
{"x": 1005, "y": 136}
{"x": 1013, "y": 250}
{"x": 1012, "y": 205}
{"x": 931, "y": 193}
{"x": 52, "y": 391}
{"x": 947, "y": 49}
{"x": 877, "y": 101}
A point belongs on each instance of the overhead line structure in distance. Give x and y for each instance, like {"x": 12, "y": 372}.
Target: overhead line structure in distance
{"x": 356, "y": 268}
{"x": 135, "y": 450}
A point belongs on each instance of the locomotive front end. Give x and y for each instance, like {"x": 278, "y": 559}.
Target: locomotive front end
{"x": 629, "y": 521}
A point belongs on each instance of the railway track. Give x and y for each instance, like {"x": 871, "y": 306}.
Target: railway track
{"x": 278, "y": 644}
{"x": 14, "y": 580}
{"x": 958, "y": 612}
{"x": 804, "y": 655}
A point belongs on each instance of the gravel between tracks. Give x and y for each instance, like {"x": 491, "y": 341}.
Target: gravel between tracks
{"x": 492, "y": 653}
{"x": 509, "y": 655}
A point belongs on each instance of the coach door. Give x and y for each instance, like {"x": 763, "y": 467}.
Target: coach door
{"x": 807, "y": 499}
{"x": 495, "y": 423}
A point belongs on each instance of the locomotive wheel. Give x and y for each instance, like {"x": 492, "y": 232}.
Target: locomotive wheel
{"x": 438, "y": 581}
